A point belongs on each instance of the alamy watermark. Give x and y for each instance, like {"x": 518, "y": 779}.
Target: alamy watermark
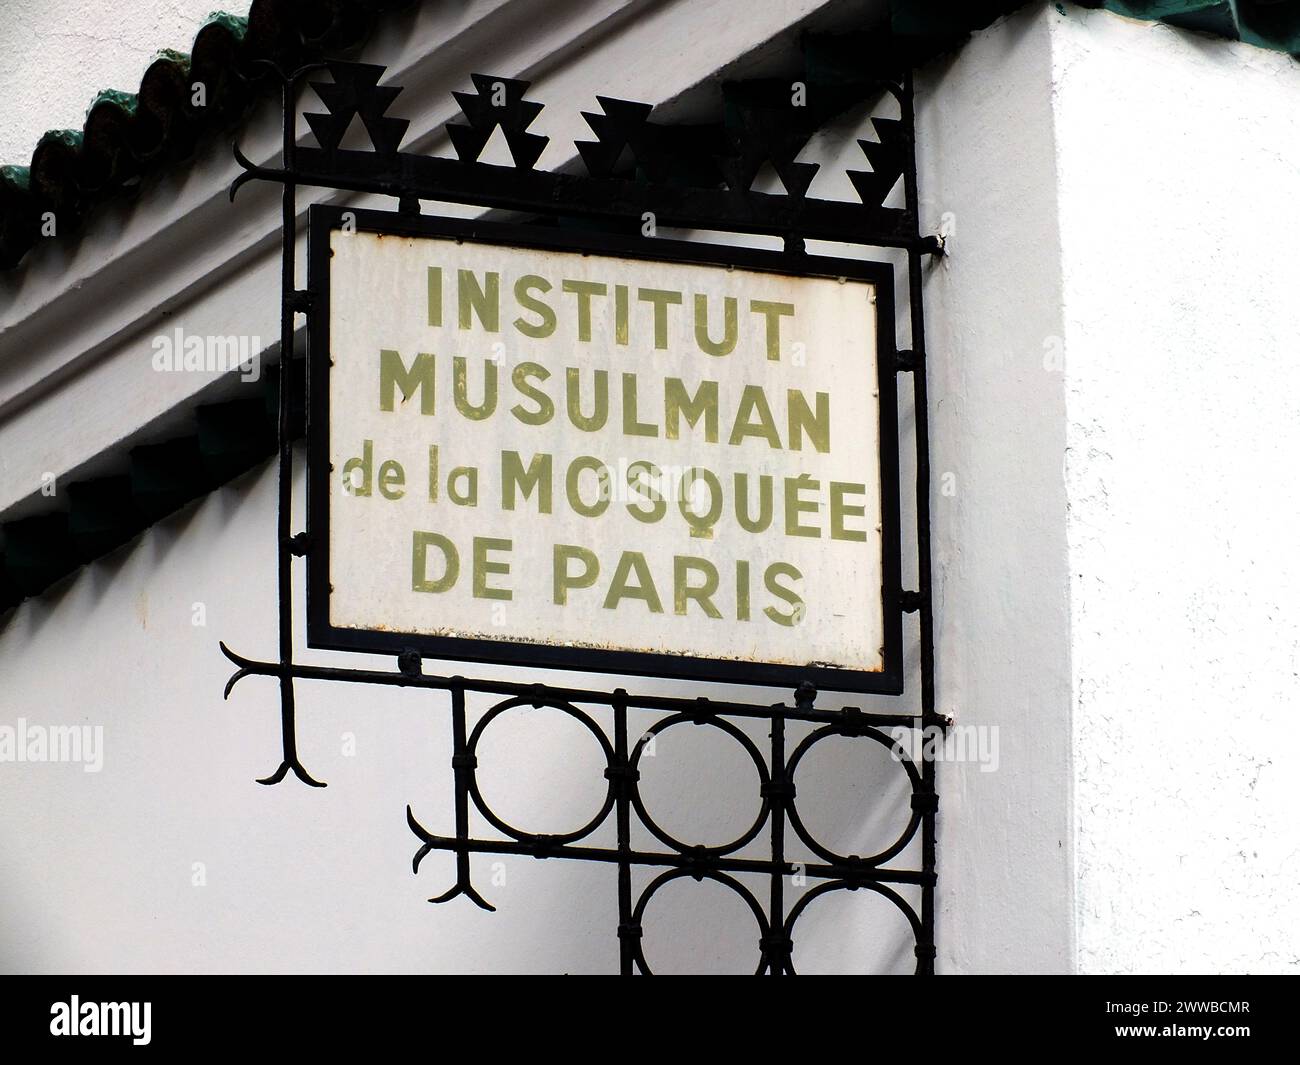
{"x": 77, "y": 1018}
{"x": 23, "y": 742}
{"x": 177, "y": 351}
{"x": 956, "y": 743}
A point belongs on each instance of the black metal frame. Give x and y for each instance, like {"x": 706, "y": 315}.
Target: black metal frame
{"x": 615, "y": 199}
{"x": 321, "y": 633}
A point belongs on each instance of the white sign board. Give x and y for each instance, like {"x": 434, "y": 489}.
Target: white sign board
{"x": 578, "y": 451}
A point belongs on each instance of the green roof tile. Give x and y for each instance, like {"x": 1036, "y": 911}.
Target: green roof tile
{"x": 130, "y": 134}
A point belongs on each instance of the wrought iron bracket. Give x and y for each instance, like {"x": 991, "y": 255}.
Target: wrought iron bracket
{"x": 685, "y": 179}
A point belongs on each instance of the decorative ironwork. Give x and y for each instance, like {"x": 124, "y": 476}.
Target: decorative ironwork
{"x": 355, "y": 92}
{"x": 688, "y": 177}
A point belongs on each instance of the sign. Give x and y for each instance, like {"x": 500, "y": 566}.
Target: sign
{"x": 663, "y": 458}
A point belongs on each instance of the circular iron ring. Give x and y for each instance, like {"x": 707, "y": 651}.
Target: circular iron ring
{"x": 538, "y": 702}
{"x": 901, "y": 757}
{"x": 638, "y": 914}
{"x": 650, "y": 823}
{"x": 845, "y": 885}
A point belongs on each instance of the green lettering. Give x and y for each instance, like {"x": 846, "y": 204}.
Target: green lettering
{"x": 662, "y": 299}
{"x": 764, "y": 519}
{"x": 800, "y": 419}
{"x": 754, "y": 418}
{"x": 545, "y": 325}
{"x": 644, "y": 478}
{"x": 435, "y": 296}
{"x": 786, "y": 595}
{"x": 701, "y": 524}
{"x": 514, "y": 478}
{"x": 620, "y": 315}
{"x": 679, "y": 404}
{"x": 359, "y": 486}
{"x": 484, "y": 567}
{"x": 632, "y": 427}
{"x": 467, "y": 494}
{"x": 841, "y": 510}
{"x": 633, "y": 563}
{"x": 584, "y": 290}
{"x": 683, "y": 566}
{"x": 727, "y": 344}
{"x": 460, "y": 388}
{"x": 794, "y": 506}
{"x": 742, "y": 590}
{"x": 572, "y": 487}
{"x": 394, "y": 375}
{"x": 420, "y": 544}
{"x": 391, "y": 479}
{"x": 545, "y": 408}
{"x": 479, "y": 300}
{"x": 772, "y": 314}
{"x": 562, "y": 581}
{"x": 600, "y": 413}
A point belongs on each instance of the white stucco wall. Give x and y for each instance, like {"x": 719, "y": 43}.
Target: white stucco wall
{"x": 1179, "y": 164}
{"x": 1113, "y": 374}
{"x": 54, "y": 57}
{"x": 987, "y": 162}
